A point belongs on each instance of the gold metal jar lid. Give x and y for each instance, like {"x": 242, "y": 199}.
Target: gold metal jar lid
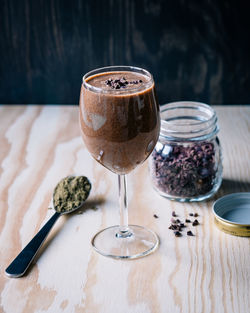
{"x": 232, "y": 214}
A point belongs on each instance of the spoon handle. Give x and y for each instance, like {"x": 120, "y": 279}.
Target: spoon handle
{"x": 21, "y": 263}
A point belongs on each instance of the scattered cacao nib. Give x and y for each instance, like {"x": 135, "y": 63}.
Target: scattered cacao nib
{"x": 177, "y": 234}
{"x": 173, "y": 227}
{"x": 156, "y": 216}
{"x": 196, "y": 214}
{"x": 195, "y": 223}
{"x": 121, "y": 82}
{"x": 174, "y": 214}
{"x": 184, "y": 171}
{"x": 179, "y": 228}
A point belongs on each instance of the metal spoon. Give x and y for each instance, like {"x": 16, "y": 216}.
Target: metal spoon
{"x": 22, "y": 262}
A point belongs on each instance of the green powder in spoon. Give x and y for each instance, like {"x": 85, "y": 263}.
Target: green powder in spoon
{"x": 70, "y": 193}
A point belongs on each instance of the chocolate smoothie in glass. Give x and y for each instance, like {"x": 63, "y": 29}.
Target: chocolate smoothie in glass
{"x": 120, "y": 123}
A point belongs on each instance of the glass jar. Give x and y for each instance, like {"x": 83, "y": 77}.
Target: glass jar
{"x": 186, "y": 163}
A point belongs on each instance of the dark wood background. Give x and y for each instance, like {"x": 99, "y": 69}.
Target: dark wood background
{"x": 196, "y": 50}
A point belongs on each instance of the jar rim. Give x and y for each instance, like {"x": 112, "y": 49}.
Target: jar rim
{"x": 188, "y": 120}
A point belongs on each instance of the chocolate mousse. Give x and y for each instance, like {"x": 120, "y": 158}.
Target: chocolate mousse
{"x": 119, "y": 118}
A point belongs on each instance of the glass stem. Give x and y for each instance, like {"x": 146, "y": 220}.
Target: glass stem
{"x": 122, "y": 185}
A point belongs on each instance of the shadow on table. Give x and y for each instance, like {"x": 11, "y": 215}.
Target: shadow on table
{"x": 88, "y": 205}
{"x": 229, "y": 186}
{"x": 232, "y": 186}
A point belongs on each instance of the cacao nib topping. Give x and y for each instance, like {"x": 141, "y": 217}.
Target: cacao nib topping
{"x": 187, "y": 221}
{"x": 189, "y": 233}
{"x": 121, "y": 83}
{"x": 184, "y": 170}
{"x": 174, "y": 214}
{"x": 156, "y": 216}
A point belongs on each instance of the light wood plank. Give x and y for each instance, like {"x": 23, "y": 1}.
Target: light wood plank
{"x": 206, "y": 273}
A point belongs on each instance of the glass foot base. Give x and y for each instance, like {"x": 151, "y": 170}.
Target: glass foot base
{"x": 139, "y": 242}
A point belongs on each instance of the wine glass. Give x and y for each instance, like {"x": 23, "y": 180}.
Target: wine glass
{"x": 120, "y": 123}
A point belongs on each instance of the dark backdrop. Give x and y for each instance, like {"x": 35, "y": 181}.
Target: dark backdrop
{"x": 196, "y": 50}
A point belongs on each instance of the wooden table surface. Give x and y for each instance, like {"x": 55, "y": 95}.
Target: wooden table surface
{"x": 209, "y": 272}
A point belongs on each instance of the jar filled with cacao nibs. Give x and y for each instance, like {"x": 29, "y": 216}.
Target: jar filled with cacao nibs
{"x": 186, "y": 164}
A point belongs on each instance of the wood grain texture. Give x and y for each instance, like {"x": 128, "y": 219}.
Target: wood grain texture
{"x": 196, "y": 50}
{"x": 206, "y": 273}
